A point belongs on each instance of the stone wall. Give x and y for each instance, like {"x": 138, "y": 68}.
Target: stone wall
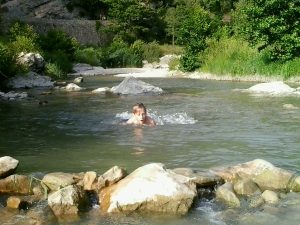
{"x": 83, "y": 30}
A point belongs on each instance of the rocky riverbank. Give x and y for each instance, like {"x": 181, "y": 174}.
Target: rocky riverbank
{"x": 150, "y": 188}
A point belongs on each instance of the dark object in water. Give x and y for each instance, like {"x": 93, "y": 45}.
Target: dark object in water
{"x": 43, "y": 102}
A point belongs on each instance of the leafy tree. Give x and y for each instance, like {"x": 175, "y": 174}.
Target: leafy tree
{"x": 272, "y": 25}
{"x": 92, "y": 9}
{"x": 218, "y": 7}
{"x": 197, "y": 27}
{"x": 134, "y": 19}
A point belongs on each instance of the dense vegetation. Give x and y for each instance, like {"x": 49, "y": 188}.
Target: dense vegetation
{"x": 235, "y": 37}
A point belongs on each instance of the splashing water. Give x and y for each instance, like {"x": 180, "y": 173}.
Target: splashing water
{"x": 176, "y": 118}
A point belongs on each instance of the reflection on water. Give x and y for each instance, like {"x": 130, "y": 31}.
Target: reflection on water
{"x": 201, "y": 124}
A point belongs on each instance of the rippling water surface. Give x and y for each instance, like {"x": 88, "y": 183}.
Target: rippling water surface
{"x": 201, "y": 124}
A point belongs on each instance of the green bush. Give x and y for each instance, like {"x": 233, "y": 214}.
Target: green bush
{"x": 152, "y": 52}
{"x": 61, "y": 59}
{"x": 88, "y": 55}
{"x": 174, "y": 64}
{"x": 170, "y": 49}
{"x": 53, "y": 70}
{"x": 120, "y": 54}
{"x": 56, "y": 40}
{"x": 6, "y": 62}
{"x": 189, "y": 61}
{"x": 21, "y": 29}
{"x": 235, "y": 57}
{"x": 272, "y": 24}
{"x": 23, "y": 38}
{"x": 23, "y": 44}
{"x": 229, "y": 56}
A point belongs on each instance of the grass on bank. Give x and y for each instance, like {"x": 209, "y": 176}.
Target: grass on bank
{"x": 234, "y": 57}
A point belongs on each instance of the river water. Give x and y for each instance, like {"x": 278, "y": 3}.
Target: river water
{"x": 201, "y": 125}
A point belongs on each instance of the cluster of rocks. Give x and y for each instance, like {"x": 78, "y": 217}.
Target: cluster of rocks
{"x": 150, "y": 188}
{"x": 129, "y": 86}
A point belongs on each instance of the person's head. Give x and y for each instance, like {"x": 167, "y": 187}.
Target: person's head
{"x": 140, "y": 111}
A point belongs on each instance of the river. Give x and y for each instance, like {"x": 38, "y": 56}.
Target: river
{"x": 201, "y": 124}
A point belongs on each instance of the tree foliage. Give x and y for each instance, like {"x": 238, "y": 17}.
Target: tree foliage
{"x": 272, "y": 25}
{"x": 134, "y": 19}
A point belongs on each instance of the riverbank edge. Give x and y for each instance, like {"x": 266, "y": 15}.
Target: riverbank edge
{"x": 228, "y": 77}
{"x": 166, "y": 73}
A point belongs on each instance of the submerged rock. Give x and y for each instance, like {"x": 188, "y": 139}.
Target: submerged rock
{"x": 11, "y": 96}
{"x": 150, "y": 188}
{"x": 133, "y": 86}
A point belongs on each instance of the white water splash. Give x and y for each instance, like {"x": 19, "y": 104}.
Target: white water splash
{"x": 176, "y": 118}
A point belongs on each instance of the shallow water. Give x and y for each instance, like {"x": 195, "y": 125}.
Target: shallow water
{"x": 201, "y": 124}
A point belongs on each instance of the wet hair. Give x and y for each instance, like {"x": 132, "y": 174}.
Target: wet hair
{"x": 139, "y": 106}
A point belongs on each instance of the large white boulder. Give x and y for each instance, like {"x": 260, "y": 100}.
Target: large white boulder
{"x": 34, "y": 61}
{"x": 67, "y": 200}
{"x": 150, "y": 188}
{"x": 7, "y": 166}
{"x": 133, "y": 86}
{"x": 55, "y": 181}
{"x": 263, "y": 173}
{"x": 275, "y": 88}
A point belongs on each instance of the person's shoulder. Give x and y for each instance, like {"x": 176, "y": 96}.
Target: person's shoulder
{"x": 150, "y": 121}
{"x": 130, "y": 121}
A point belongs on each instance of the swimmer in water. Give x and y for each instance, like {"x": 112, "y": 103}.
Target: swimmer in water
{"x": 140, "y": 116}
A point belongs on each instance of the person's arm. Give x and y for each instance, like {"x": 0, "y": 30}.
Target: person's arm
{"x": 130, "y": 121}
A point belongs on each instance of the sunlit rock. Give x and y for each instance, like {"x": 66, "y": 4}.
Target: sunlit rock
{"x": 102, "y": 90}
{"x": 263, "y": 173}
{"x": 89, "y": 181}
{"x": 201, "y": 178}
{"x": 73, "y": 87}
{"x": 67, "y": 200}
{"x": 226, "y": 194}
{"x": 111, "y": 176}
{"x": 150, "y": 188}
{"x": 20, "y": 202}
{"x": 133, "y": 86}
{"x": 270, "y": 197}
{"x": 56, "y": 181}
{"x": 78, "y": 80}
{"x": 290, "y": 106}
{"x": 80, "y": 67}
{"x": 277, "y": 87}
{"x": 8, "y": 166}
{"x": 34, "y": 61}
{"x": 246, "y": 187}
{"x": 18, "y": 184}
{"x": 30, "y": 80}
